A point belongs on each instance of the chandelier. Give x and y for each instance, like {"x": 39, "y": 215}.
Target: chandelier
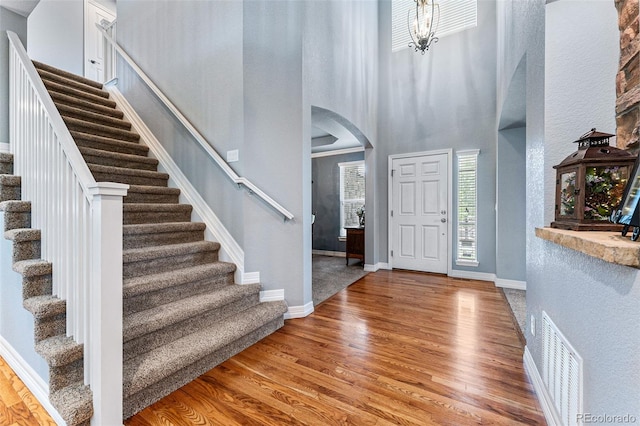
{"x": 425, "y": 25}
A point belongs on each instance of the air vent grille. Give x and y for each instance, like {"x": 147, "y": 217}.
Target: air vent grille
{"x": 562, "y": 372}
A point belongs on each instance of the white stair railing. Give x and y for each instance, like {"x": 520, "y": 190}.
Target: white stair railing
{"x": 217, "y": 158}
{"x": 81, "y": 225}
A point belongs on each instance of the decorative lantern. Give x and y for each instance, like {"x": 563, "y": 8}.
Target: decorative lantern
{"x": 590, "y": 184}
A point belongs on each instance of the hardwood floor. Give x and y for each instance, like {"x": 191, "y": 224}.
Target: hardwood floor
{"x": 18, "y": 406}
{"x": 395, "y": 348}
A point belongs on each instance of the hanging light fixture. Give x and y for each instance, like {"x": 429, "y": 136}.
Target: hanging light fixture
{"x": 425, "y": 24}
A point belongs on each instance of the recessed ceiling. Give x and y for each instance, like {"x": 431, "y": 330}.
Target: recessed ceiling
{"x": 329, "y": 135}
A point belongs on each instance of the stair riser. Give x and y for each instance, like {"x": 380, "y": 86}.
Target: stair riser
{"x": 110, "y": 132}
{"x": 25, "y": 250}
{"x": 17, "y": 220}
{"x": 129, "y": 179}
{"x": 141, "y": 197}
{"x": 8, "y": 192}
{"x": 102, "y": 120}
{"x": 150, "y": 240}
{"x": 142, "y": 399}
{"x": 165, "y": 264}
{"x": 143, "y": 344}
{"x": 116, "y": 162}
{"x": 6, "y": 168}
{"x": 63, "y": 376}
{"x": 61, "y": 99}
{"x": 69, "y": 82}
{"x": 49, "y": 327}
{"x": 112, "y": 147}
{"x": 166, "y": 295}
{"x": 38, "y": 285}
{"x": 134, "y": 218}
{"x": 78, "y": 94}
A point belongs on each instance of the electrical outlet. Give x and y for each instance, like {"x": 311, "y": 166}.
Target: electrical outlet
{"x": 233, "y": 156}
{"x": 532, "y": 325}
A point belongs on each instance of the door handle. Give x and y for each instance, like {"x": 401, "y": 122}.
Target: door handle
{"x": 443, "y": 220}
{"x": 93, "y": 61}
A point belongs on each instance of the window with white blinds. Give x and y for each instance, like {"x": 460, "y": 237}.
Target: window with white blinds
{"x": 467, "y": 226}
{"x": 352, "y": 189}
{"x": 455, "y": 15}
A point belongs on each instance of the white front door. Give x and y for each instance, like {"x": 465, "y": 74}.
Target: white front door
{"x": 419, "y": 213}
{"x": 97, "y": 55}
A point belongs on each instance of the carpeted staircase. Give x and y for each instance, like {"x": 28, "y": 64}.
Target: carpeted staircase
{"x": 183, "y": 314}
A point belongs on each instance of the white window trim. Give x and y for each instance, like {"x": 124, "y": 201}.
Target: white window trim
{"x": 343, "y": 231}
{"x": 462, "y": 15}
{"x": 461, "y": 154}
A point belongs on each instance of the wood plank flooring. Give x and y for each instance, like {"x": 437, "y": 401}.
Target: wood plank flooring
{"x": 18, "y": 406}
{"x": 395, "y": 348}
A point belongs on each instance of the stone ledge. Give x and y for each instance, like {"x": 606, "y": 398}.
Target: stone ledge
{"x": 608, "y": 246}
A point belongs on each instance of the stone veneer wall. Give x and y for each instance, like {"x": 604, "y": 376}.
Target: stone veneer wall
{"x": 628, "y": 78}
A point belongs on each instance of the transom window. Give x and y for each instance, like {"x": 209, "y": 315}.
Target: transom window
{"x": 455, "y": 15}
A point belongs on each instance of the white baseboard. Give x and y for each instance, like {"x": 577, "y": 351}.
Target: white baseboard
{"x": 329, "y": 253}
{"x": 249, "y": 278}
{"x": 5, "y": 147}
{"x": 376, "y": 266}
{"x": 470, "y": 275}
{"x": 299, "y": 311}
{"x": 272, "y": 295}
{"x": 541, "y": 390}
{"x": 513, "y": 284}
{"x": 31, "y": 379}
{"x": 230, "y": 250}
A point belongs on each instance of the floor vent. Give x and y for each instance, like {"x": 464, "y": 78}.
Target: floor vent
{"x": 562, "y": 372}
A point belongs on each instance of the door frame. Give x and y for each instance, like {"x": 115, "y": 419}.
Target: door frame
{"x": 449, "y": 153}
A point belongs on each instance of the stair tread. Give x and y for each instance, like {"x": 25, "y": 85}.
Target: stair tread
{"x": 117, "y": 155}
{"x": 152, "y": 228}
{"x": 10, "y": 180}
{"x": 70, "y": 76}
{"x": 115, "y": 143}
{"x": 22, "y": 234}
{"x": 90, "y": 126}
{"x": 59, "y": 350}
{"x": 99, "y": 168}
{"x": 64, "y": 99}
{"x": 153, "y": 190}
{"x": 15, "y": 206}
{"x": 80, "y": 85}
{"x": 156, "y": 318}
{"x": 32, "y": 267}
{"x": 154, "y": 252}
{"x": 73, "y": 112}
{"x": 53, "y": 86}
{"x": 45, "y": 306}
{"x": 74, "y": 403}
{"x": 153, "y": 282}
{"x": 151, "y": 367}
{"x": 147, "y": 207}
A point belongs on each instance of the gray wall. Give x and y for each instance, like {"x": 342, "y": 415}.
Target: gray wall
{"x": 511, "y": 205}
{"x": 443, "y": 99}
{"x": 594, "y": 303}
{"x": 56, "y": 34}
{"x": 9, "y": 21}
{"x": 326, "y": 200}
{"x": 16, "y": 323}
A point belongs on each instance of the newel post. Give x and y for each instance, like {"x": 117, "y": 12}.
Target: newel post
{"x": 105, "y": 311}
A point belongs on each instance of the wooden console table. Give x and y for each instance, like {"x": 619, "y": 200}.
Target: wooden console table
{"x": 355, "y": 243}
